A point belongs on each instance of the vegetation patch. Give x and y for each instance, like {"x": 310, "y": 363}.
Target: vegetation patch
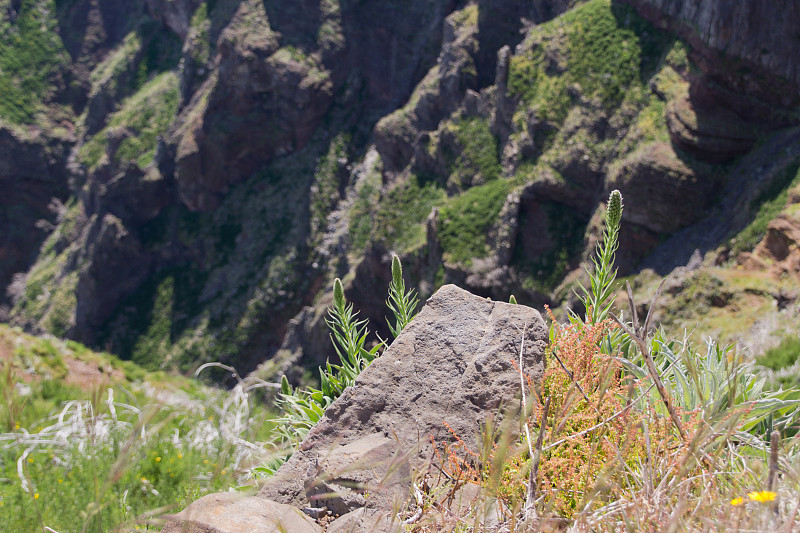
{"x": 784, "y": 355}
{"x": 328, "y": 182}
{"x": 32, "y": 59}
{"x": 100, "y": 455}
{"x": 153, "y": 318}
{"x": 465, "y": 220}
{"x": 477, "y": 159}
{"x": 768, "y": 204}
{"x": 400, "y": 219}
{"x": 596, "y": 50}
{"x": 368, "y": 195}
{"x": 143, "y": 117}
{"x": 200, "y": 26}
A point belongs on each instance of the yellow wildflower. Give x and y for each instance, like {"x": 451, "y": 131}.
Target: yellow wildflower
{"x": 36, "y": 496}
{"x": 737, "y": 501}
{"x": 763, "y": 496}
{"x": 158, "y": 459}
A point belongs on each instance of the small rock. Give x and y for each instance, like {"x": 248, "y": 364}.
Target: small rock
{"x": 229, "y": 512}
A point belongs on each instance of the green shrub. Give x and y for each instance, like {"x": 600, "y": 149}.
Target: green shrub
{"x": 477, "y": 161}
{"x": 609, "y": 49}
{"x": 148, "y": 114}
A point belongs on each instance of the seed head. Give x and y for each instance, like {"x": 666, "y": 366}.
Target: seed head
{"x": 286, "y": 389}
{"x": 338, "y": 294}
{"x": 397, "y": 271}
{"x": 614, "y": 210}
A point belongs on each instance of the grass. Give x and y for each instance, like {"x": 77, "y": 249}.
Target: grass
{"x": 114, "y": 455}
{"x": 147, "y": 115}
{"x": 32, "y": 57}
{"x": 783, "y": 355}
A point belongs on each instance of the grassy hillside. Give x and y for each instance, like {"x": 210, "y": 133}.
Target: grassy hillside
{"x": 92, "y": 443}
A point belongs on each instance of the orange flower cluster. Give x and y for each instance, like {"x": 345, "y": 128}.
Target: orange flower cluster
{"x": 586, "y": 388}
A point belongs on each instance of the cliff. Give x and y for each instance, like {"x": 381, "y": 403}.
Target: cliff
{"x": 215, "y": 163}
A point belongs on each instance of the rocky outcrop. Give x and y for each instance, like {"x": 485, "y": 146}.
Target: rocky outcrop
{"x": 744, "y": 45}
{"x": 452, "y": 365}
{"x": 174, "y": 14}
{"x": 779, "y": 251}
{"x": 662, "y": 193}
{"x": 444, "y": 377}
{"x": 34, "y": 184}
{"x": 702, "y": 127}
{"x": 116, "y": 266}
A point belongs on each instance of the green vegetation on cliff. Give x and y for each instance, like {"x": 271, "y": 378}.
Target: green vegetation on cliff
{"x": 476, "y": 160}
{"x": 142, "y": 118}
{"x": 32, "y": 59}
{"x": 402, "y": 212}
{"x": 466, "y": 219}
{"x": 607, "y": 51}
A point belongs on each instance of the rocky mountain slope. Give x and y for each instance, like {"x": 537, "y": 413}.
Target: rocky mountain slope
{"x": 185, "y": 177}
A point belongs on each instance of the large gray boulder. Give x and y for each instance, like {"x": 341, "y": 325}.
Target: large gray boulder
{"x": 452, "y": 366}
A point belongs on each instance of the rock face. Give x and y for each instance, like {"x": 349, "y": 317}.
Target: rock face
{"x": 228, "y": 158}
{"x": 662, "y": 193}
{"x": 725, "y": 35}
{"x": 452, "y": 365}
{"x": 34, "y": 185}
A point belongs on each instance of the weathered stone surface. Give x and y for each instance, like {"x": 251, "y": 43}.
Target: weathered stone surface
{"x": 727, "y": 36}
{"x": 234, "y": 513}
{"x": 113, "y": 267}
{"x": 661, "y": 192}
{"x": 32, "y": 175}
{"x": 708, "y": 131}
{"x": 452, "y": 365}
